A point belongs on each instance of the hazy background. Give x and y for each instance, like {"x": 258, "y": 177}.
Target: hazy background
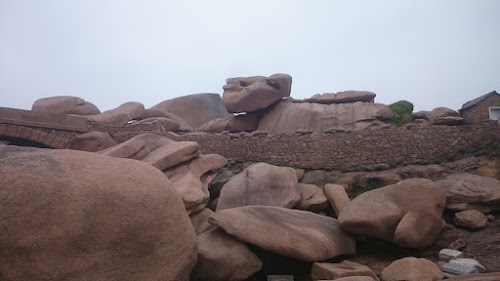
{"x": 432, "y": 53}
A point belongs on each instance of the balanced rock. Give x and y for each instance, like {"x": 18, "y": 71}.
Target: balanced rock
{"x": 412, "y": 269}
{"x": 221, "y": 257}
{"x": 289, "y": 116}
{"x": 196, "y": 109}
{"x": 263, "y": 185}
{"x": 470, "y": 219}
{"x": 407, "y": 213}
{"x": 248, "y": 94}
{"x": 120, "y": 115}
{"x": 72, "y": 215}
{"x": 343, "y": 97}
{"x": 297, "y": 234}
{"x": 65, "y": 105}
{"x": 337, "y": 196}
{"x": 333, "y": 271}
{"x": 480, "y": 193}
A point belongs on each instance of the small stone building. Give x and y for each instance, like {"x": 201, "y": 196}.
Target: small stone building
{"x": 482, "y": 108}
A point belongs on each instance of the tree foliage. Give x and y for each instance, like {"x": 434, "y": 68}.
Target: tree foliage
{"x": 402, "y": 111}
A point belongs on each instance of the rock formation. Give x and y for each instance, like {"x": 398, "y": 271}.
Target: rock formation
{"x": 65, "y": 105}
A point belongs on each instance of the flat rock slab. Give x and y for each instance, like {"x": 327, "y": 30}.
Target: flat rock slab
{"x": 333, "y": 271}
{"x": 172, "y": 154}
{"x": 297, "y": 234}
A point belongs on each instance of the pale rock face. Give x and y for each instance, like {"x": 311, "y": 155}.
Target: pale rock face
{"x": 412, "y": 269}
{"x": 158, "y": 112}
{"x": 407, "y": 213}
{"x": 289, "y": 116}
{"x": 234, "y": 123}
{"x": 435, "y": 114}
{"x": 92, "y": 141}
{"x": 72, "y": 215}
{"x": 65, "y": 105}
{"x": 196, "y": 109}
{"x": 221, "y": 257}
{"x": 297, "y": 234}
{"x": 249, "y": 94}
{"x": 261, "y": 184}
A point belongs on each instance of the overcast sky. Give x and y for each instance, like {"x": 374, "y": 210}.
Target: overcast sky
{"x": 432, "y": 53}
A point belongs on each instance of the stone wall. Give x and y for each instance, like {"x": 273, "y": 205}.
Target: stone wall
{"x": 480, "y": 112}
{"x": 364, "y": 150}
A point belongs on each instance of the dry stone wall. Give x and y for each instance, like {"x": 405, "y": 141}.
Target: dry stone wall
{"x": 364, "y": 150}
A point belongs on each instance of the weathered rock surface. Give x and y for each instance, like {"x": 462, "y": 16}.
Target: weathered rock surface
{"x": 137, "y": 147}
{"x": 407, "y": 213}
{"x": 158, "y": 112}
{"x": 333, "y": 271}
{"x": 120, "y": 115}
{"x": 337, "y": 196}
{"x": 92, "y": 141}
{"x": 171, "y": 154}
{"x": 412, "y": 269}
{"x": 191, "y": 179}
{"x": 199, "y": 220}
{"x": 289, "y": 116}
{"x": 312, "y": 198}
{"x": 167, "y": 123}
{"x": 449, "y": 121}
{"x": 480, "y": 193}
{"x": 65, "y": 105}
{"x": 234, "y": 123}
{"x": 263, "y": 185}
{"x": 470, "y": 219}
{"x": 72, "y": 215}
{"x": 343, "y": 97}
{"x": 248, "y": 94}
{"x": 221, "y": 257}
{"x": 436, "y": 113}
{"x": 297, "y": 234}
{"x": 196, "y": 109}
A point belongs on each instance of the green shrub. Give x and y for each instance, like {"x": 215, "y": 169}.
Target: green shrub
{"x": 402, "y": 111}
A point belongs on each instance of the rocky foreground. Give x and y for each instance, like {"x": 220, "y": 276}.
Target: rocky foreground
{"x": 155, "y": 209}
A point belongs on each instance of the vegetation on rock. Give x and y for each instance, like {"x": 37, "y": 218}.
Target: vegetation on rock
{"x": 402, "y": 111}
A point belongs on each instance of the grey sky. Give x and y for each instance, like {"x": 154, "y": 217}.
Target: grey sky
{"x": 432, "y": 53}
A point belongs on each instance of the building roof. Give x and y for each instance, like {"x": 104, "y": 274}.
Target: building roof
{"x": 476, "y": 101}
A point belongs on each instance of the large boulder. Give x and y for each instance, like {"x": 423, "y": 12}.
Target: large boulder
{"x": 65, "y": 105}
{"x": 343, "y": 97}
{"x": 407, "y": 213}
{"x": 248, "y": 94}
{"x": 92, "y": 141}
{"x": 137, "y": 147}
{"x": 261, "y": 184}
{"x": 478, "y": 192}
{"x": 121, "y": 115}
{"x": 72, "y": 215}
{"x": 196, "y": 109}
{"x": 297, "y": 234}
{"x": 222, "y": 257}
{"x": 290, "y": 116}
